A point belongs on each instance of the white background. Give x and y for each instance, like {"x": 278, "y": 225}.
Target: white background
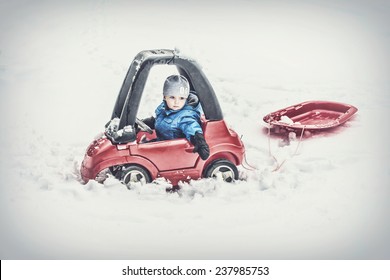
{"x": 304, "y": 270}
{"x": 62, "y": 64}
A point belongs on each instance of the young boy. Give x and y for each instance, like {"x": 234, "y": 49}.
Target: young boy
{"x": 175, "y": 118}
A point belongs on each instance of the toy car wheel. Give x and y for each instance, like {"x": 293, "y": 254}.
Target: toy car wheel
{"x": 133, "y": 175}
{"x": 222, "y": 168}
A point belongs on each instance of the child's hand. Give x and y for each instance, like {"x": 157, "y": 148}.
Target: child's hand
{"x": 201, "y": 146}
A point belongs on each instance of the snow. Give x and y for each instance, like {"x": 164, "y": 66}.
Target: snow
{"x": 287, "y": 120}
{"x": 62, "y": 64}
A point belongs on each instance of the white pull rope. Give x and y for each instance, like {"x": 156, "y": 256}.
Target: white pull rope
{"x": 279, "y": 165}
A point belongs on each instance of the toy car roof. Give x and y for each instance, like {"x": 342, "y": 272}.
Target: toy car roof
{"x": 126, "y": 106}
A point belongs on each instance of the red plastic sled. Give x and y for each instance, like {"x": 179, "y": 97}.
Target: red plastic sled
{"x": 311, "y": 115}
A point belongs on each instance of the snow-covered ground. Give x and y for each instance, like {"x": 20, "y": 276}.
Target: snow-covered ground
{"x": 62, "y": 64}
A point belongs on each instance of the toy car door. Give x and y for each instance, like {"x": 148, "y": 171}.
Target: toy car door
{"x": 168, "y": 154}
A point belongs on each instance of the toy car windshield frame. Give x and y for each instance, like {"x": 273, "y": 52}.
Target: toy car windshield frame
{"x": 128, "y": 100}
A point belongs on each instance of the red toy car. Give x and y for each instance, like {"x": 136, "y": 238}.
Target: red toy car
{"x": 121, "y": 152}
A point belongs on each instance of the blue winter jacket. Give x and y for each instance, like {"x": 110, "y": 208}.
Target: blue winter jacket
{"x": 183, "y": 123}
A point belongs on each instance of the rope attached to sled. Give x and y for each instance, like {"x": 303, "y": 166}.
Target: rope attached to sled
{"x": 250, "y": 167}
{"x": 278, "y": 166}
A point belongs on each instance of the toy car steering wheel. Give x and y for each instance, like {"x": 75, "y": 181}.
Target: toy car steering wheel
{"x": 143, "y": 126}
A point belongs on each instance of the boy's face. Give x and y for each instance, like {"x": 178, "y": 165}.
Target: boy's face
{"x": 175, "y": 102}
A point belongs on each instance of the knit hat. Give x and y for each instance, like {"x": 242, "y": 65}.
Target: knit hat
{"x": 176, "y": 85}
